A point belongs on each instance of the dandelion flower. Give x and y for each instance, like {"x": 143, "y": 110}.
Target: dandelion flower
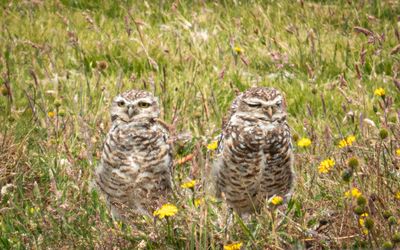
{"x": 233, "y": 246}
{"x": 189, "y": 184}
{"x": 198, "y": 202}
{"x": 304, "y": 142}
{"x": 379, "y": 92}
{"x": 348, "y": 141}
{"x": 325, "y": 166}
{"x": 51, "y": 114}
{"x": 397, "y": 195}
{"x": 33, "y": 210}
{"x": 362, "y": 222}
{"x": 212, "y": 146}
{"x": 276, "y": 200}
{"x": 166, "y": 210}
{"x": 354, "y": 192}
{"x": 398, "y": 152}
{"x": 238, "y": 50}
{"x": 213, "y": 199}
{"x": 119, "y": 225}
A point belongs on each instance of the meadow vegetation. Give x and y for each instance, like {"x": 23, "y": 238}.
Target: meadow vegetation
{"x": 62, "y": 62}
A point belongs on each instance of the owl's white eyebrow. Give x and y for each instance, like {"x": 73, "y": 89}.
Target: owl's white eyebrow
{"x": 118, "y": 99}
{"x": 268, "y": 103}
{"x": 148, "y": 100}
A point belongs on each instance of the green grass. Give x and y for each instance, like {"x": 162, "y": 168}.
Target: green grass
{"x": 83, "y": 53}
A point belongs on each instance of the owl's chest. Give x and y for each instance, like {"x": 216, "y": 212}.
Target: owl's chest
{"x": 278, "y": 140}
{"x": 142, "y": 141}
{"x": 252, "y": 140}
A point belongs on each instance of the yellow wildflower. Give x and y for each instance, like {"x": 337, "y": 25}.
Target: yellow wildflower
{"x": 51, "y": 114}
{"x": 325, "y": 166}
{"x": 276, "y": 200}
{"x": 213, "y": 199}
{"x": 379, "y": 92}
{"x": 398, "y": 152}
{"x": 304, "y": 142}
{"x": 354, "y": 192}
{"x": 119, "y": 224}
{"x": 213, "y": 145}
{"x": 33, "y": 210}
{"x": 166, "y": 210}
{"x": 361, "y": 220}
{"x": 233, "y": 246}
{"x": 397, "y": 195}
{"x": 348, "y": 141}
{"x": 189, "y": 184}
{"x": 198, "y": 202}
{"x": 365, "y": 231}
{"x": 238, "y": 50}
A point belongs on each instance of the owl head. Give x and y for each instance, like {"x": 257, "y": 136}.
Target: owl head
{"x": 263, "y": 103}
{"x": 134, "y": 105}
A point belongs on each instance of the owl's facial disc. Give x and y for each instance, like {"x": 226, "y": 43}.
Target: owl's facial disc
{"x": 271, "y": 110}
{"x": 131, "y": 110}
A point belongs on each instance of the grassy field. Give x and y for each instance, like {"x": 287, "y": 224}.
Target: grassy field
{"x": 62, "y": 62}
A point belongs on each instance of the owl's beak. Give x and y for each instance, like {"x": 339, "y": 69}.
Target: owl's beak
{"x": 131, "y": 111}
{"x": 269, "y": 112}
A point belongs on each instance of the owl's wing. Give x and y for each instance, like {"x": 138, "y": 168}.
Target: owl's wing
{"x": 220, "y": 143}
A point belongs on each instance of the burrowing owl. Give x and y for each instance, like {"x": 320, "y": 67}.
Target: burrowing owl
{"x": 255, "y": 152}
{"x": 135, "y": 170}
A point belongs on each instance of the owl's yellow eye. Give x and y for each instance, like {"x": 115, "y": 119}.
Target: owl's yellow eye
{"x": 121, "y": 103}
{"x": 144, "y": 104}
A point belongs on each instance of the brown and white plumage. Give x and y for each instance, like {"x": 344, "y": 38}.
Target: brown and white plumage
{"x": 135, "y": 170}
{"x": 255, "y": 157}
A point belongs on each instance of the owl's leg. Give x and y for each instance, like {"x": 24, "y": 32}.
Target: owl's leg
{"x": 229, "y": 220}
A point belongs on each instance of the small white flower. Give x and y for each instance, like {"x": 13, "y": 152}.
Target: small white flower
{"x": 6, "y": 189}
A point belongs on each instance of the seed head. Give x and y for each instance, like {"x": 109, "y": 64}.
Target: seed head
{"x": 396, "y": 237}
{"x": 347, "y": 174}
{"x": 383, "y": 134}
{"x": 353, "y": 162}
{"x": 314, "y": 91}
{"x": 369, "y": 223}
{"x": 387, "y": 245}
{"x": 57, "y": 102}
{"x": 61, "y": 113}
{"x": 359, "y": 210}
{"x": 361, "y": 201}
{"x": 392, "y": 221}
{"x": 102, "y": 65}
{"x": 386, "y": 214}
{"x": 4, "y": 91}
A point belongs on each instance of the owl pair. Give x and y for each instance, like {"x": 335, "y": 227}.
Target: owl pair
{"x": 254, "y": 160}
